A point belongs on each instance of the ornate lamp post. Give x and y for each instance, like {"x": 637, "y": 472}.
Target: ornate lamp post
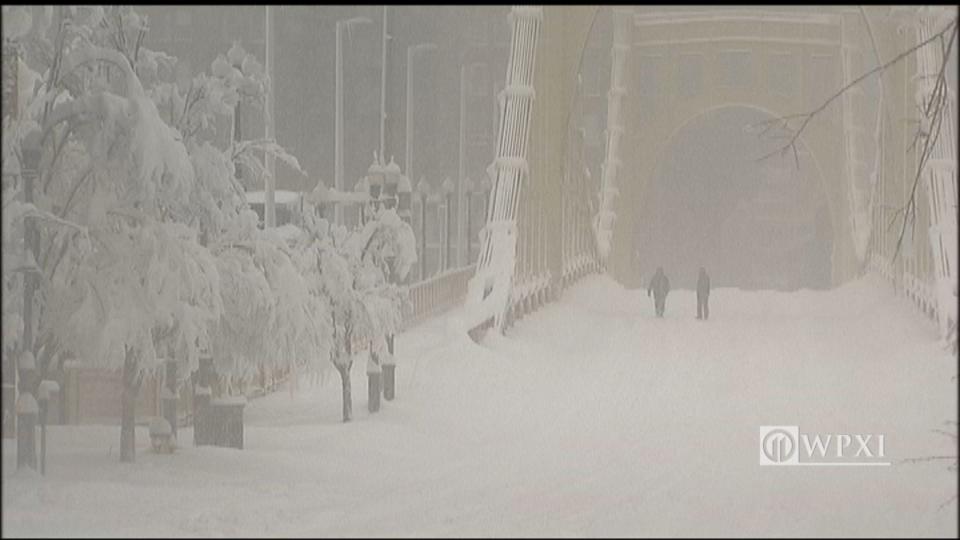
{"x": 376, "y": 181}
{"x": 338, "y": 179}
{"x": 404, "y": 197}
{"x": 396, "y": 195}
{"x": 320, "y": 199}
{"x": 448, "y": 189}
{"x": 27, "y": 409}
{"x": 362, "y": 186}
{"x": 391, "y": 181}
{"x": 373, "y": 183}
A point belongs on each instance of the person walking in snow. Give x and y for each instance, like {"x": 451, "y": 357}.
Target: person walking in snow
{"x": 703, "y": 294}
{"x": 660, "y": 286}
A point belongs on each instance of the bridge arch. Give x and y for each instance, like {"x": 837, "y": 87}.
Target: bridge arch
{"x": 795, "y": 198}
{"x": 685, "y": 65}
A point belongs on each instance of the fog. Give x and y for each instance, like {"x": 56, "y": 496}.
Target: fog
{"x": 475, "y": 36}
{"x": 703, "y": 207}
{"x": 479, "y": 271}
{"x": 754, "y": 224}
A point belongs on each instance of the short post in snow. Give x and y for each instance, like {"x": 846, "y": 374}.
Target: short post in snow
{"x": 389, "y": 367}
{"x": 202, "y": 394}
{"x": 45, "y": 391}
{"x": 168, "y": 395}
{"x": 27, "y": 412}
{"x": 373, "y": 381}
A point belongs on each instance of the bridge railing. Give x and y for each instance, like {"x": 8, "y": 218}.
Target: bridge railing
{"x": 437, "y": 294}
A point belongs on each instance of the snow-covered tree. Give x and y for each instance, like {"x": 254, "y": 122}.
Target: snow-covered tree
{"x": 348, "y": 271}
{"x": 159, "y": 216}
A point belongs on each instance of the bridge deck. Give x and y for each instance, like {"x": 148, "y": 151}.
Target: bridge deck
{"x": 588, "y": 417}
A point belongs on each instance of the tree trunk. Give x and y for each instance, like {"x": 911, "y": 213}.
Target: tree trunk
{"x": 128, "y": 404}
{"x": 345, "y": 385}
{"x": 374, "y": 387}
{"x": 169, "y": 401}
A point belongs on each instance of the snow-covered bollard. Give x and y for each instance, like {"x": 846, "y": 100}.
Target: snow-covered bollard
{"x": 168, "y": 396}
{"x": 373, "y": 383}
{"x": 389, "y": 366}
{"x": 161, "y": 436}
{"x": 27, "y": 412}
{"x": 46, "y": 389}
{"x": 201, "y": 402}
{"x": 225, "y": 420}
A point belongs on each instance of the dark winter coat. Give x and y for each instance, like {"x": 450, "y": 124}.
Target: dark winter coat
{"x": 659, "y": 284}
{"x": 703, "y": 284}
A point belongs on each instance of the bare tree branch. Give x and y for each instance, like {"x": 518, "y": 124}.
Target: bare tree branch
{"x": 951, "y": 28}
{"x": 934, "y": 112}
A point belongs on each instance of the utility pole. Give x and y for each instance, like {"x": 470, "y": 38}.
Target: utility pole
{"x": 411, "y": 51}
{"x": 461, "y": 169}
{"x": 270, "y": 217}
{"x": 338, "y": 125}
{"x": 383, "y": 86}
{"x": 338, "y": 120}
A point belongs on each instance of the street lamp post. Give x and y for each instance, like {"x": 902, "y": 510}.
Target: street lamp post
{"x": 383, "y": 85}
{"x": 269, "y": 208}
{"x": 449, "y": 190}
{"x": 362, "y": 186}
{"x": 468, "y": 187}
{"x": 411, "y": 51}
{"x": 405, "y": 199}
{"x": 424, "y": 190}
{"x": 462, "y": 158}
{"x": 393, "y": 197}
{"x": 376, "y": 182}
{"x": 338, "y": 117}
{"x": 391, "y": 187}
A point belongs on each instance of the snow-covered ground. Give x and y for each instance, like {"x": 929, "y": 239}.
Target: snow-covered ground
{"x": 590, "y": 417}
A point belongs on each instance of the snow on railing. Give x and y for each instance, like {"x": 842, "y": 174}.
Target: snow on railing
{"x": 489, "y": 290}
{"x": 604, "y": 220}
{"x": 437, "y": 294}
{"x": 940, "y": 175}
{"x": 931, "y": 283}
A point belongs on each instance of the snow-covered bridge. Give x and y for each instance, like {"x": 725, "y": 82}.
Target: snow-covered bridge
{"x": 549, "y": 221}
{"x": 590, "y": 416}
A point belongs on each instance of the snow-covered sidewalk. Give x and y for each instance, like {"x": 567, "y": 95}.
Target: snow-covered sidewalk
{"x": 590, "y": 417}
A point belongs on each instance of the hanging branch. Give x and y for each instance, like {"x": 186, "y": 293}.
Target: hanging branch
{"x": 784, "y": 121}
{"x": 932, "y": 111}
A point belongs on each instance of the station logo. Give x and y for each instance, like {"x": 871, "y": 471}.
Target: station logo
{"x": 786, "y": 446}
